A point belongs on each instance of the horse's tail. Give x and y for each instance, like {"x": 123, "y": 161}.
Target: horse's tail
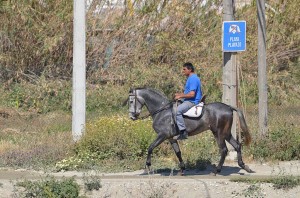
{"x": 243, "y": 125}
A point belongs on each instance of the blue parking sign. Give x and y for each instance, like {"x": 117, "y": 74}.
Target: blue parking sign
{"x": 234, "y": 36}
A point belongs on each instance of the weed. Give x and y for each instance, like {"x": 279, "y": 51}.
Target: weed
{"x": 92, "y": 182}
{"x": 156, "y": 190}
{"x": 286, "y": 182}
{"x": 253, "y": 191}
{"x": 279, "y": 182}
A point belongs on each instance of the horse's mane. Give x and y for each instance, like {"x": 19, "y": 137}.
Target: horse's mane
{"x": 157, "y": 92}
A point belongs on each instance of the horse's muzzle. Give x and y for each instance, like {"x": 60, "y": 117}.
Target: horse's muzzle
{"x": 133, "y": 116}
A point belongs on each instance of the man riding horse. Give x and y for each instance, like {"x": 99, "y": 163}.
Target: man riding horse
{"x": 191, "y": 96}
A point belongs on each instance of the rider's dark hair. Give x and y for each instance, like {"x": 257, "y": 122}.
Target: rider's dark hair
{"x": 189, "y": 66}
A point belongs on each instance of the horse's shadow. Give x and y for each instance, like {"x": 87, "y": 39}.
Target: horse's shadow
{"x": 208, "y": 171}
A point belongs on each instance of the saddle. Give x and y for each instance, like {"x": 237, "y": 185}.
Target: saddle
{"x": 195, "y": 111}
{"x": 198, "y": 112}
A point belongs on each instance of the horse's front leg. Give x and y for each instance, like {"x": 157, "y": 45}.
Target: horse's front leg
{"x": 155, "y": 143}
{"x": 177, "y": 151}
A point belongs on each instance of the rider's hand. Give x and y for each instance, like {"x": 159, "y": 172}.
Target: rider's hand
{"x": 178, "y": 96}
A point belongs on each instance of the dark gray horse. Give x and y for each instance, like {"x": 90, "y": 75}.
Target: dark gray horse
{"x": 216, "y": 117}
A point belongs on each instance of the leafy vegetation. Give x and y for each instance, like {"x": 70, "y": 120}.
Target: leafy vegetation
{"x": 49, "y": 187}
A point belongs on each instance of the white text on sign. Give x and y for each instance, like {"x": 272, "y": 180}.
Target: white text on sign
{"x": 234, "y": 42}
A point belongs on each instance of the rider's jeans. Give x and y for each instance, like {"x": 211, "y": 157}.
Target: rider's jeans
{"x": 181, "y": 109}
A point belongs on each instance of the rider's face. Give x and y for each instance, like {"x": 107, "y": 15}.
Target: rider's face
{"x": 186, "y": 71}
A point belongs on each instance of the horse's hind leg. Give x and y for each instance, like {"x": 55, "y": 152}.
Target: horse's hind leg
{"x": 223, "y": 151}
{"x": 237, "y": 146}
{"x": 177, "y": 151}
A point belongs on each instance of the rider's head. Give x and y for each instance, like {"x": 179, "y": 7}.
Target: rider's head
{"x": 189, "y": 66}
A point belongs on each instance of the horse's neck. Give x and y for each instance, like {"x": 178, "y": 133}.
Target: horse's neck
{"x": 154, "y": 100}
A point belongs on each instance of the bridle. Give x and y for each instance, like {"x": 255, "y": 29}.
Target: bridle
{"x": 136, "y": 99}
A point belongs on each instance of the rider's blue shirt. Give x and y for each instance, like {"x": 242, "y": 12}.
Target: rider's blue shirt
{"x": 193, "y": 83}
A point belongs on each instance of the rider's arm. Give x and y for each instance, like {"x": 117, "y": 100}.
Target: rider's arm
{"x": 191, "y": 94}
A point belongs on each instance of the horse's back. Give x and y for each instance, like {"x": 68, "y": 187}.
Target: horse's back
{"x": 218, "y": 108}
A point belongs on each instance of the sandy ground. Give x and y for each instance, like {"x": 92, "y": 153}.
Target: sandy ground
{"x": 167, "y": 184}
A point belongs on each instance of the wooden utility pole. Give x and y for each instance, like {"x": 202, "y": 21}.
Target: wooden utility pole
{"x": 229, "y": 67}
{"x": 230, "y": 74}
{"x": 262, "y": 69}
{"x": 79, "y": 71}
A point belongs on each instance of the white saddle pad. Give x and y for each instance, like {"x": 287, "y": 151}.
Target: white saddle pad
{"x": 195, "y": 111}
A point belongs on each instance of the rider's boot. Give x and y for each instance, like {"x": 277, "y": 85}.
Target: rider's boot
{"x": 183, "y": 135}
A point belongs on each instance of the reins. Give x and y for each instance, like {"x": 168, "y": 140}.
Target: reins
{"x": 157, "y": 111}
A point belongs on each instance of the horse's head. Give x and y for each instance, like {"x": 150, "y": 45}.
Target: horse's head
{"x": 136, "y": 102}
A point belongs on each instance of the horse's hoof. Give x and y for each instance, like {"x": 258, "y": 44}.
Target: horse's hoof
{"x": 216, "y": 171}
{"x": 147, "y": 170}
{"x": 181, "y": 172}
{"x": 246, "y": 168}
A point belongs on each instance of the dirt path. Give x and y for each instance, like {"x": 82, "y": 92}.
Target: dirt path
{"x": 167, "y": 184}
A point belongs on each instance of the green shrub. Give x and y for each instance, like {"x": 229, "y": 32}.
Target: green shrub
{"x": 49, "y": 188}
{"x": 117, "y": 137}
{"x": 112, "y": 139}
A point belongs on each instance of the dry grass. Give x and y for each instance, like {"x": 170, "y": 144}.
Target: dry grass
{"x": 35, "y": 140}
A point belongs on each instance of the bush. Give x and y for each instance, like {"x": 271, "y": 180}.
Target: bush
{"x": 112, "y": 139}
{"x": 50, "y": 187}
{"x": 117, "y": 137}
